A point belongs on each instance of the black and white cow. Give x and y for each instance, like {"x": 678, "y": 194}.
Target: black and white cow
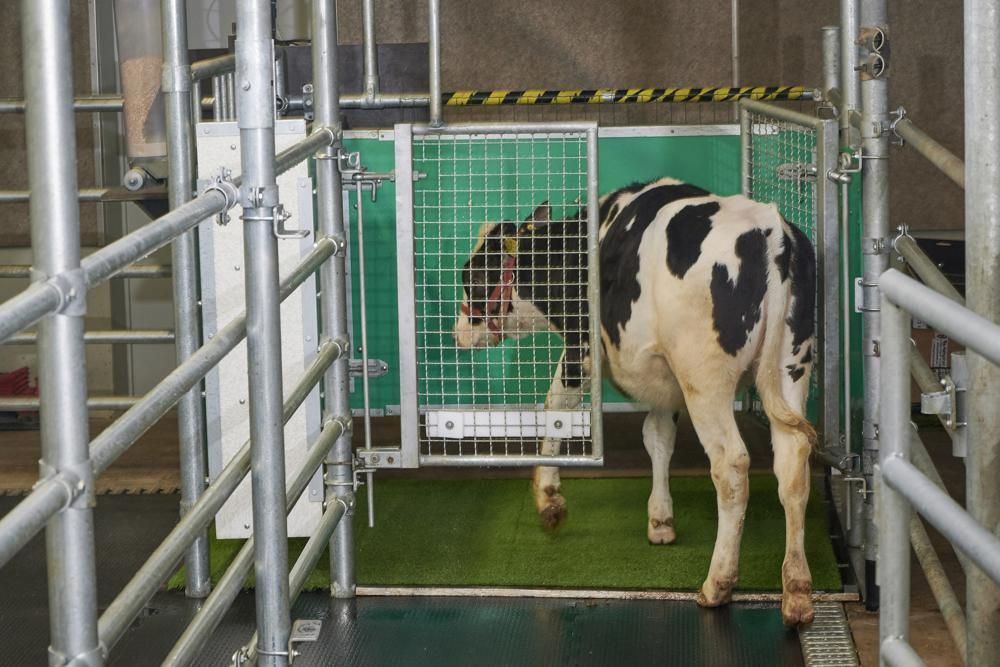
{"x": 697, "y": 291}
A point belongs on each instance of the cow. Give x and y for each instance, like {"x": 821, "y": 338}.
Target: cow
{"x": 698, "y": 293}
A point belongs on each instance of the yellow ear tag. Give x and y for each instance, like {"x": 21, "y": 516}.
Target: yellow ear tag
{"x": 510, "y": 246}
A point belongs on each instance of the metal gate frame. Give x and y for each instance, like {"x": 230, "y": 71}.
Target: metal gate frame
{"x": 410, "y": 415}
{"x": 827, "y": 242}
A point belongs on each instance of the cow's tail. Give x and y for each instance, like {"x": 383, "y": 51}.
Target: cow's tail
{"x": 777, "y": 339}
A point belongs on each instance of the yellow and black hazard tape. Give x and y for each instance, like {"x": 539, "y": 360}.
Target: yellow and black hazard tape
{"x": 464, "y": 98}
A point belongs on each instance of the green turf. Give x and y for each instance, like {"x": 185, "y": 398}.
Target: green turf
{"x": 486, "y": 533}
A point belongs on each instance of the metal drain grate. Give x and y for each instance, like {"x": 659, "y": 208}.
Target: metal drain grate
{"x": 828, "y": 640}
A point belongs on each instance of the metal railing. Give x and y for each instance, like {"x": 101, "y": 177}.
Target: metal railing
{"x": 64, "y": 497}
{"x": 904, "y": 487}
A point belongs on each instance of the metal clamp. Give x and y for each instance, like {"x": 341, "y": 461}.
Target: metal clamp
{"x": 77, "y": 479}
{"x": 898, "y": 116}
{"x": 866, "y": 297}
{"x": 259, "y": 196}
{"x": 872, "y": 245}
{"x": 72, "y": 289}
{"x": 223, "y": 183}
{"x": 903, "y": 232}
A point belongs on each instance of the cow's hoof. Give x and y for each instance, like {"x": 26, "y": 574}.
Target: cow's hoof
{"x": 716, "y": 593}
{"x": 553, "y": 514}
{"x": 796, "y": 604}
{"x": 661, "y": 532}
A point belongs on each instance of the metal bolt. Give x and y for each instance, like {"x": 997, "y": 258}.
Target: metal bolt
{"x": 449, "y": 425}
{"x": 80, "y": 485}
{"x": 558, "y": 423}
{"x": 232, "y": 147}
{"x": 237, "y": 267}
{"x": 391, "y": 459}
{"x": 246, "y": 85}
{"x": 243, "y": 401}
{"x": 247, "y": 526}
{"x": 375, "y": 458}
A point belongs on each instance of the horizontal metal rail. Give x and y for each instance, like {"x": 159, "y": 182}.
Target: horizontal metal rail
{"x": 950, "y": 164}
{"x": 91, "y": 195}
{"x": 119, "y": 436}
{"x": 835, "y": 98}
{"x": 33, "y": 404}
{"x": 925, "y": 268}
{"x": 206, "y": 69}
{"x": 129, "y": 336}
{"x": 161, "y": 564}
{"x": 89, "y": 103}
{"x": 22, "y": 523}
{"x": 508, "y": 129}
{"x": 947, "y": 516}
{"x": 783, "y": 114}
{"x": 133, "y": 271}
{"x": 943, "y": 314}
{"x": 215, "y": 606}
{"x": 501, "y": 460}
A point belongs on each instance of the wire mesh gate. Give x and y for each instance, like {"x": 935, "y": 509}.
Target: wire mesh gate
{"x": 787, "y": 159}
{"x": 523, "y": 197}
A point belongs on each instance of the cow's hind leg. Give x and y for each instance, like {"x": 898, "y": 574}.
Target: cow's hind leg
{"x": 659, "y": 433}
{"x": 546, "y": 489}
{"x": 711, "y": 410}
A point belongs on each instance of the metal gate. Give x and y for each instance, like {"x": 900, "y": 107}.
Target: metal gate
{"x": 491, "y": 405}
{"x": 790, "y": 159}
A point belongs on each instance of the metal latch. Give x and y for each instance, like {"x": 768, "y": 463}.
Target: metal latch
{"x": 796, "y": 171}
{"x": 376, "y": 368}
{"x": 381, "y": 457}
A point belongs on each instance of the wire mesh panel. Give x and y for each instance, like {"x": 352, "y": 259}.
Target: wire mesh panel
{"x": 787, "y": 159}
{"x": 501, "y": 224}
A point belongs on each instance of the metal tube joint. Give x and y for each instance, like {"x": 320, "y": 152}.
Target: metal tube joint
{"x": 223, "y": 183}
{"x": 76, "y": 478}
{"x": 70, "y": 286}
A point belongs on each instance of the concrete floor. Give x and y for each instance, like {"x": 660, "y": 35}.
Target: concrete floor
{"x": 151, "y": 466}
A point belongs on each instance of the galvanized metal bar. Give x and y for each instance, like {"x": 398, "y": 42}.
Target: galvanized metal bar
{"x": 131, "y": 337}
{"x": 31, "y": 305}
{"x": 333, "y": 292}
{"x": 850, "y": 83}
{"x": 594, "y": 296}
{"x": 123, "y": 432}
{"x": 561, "y": 127}
{"x": 939, "y": 156}
{"x": 29, "y": 516}
{"x": 30, "y": 404}
{"x": 176, "y": 87}
{"x": 91, "y": 195}
{"x": 512, "y": 461}
{"x": 829, "y": 269}
{"x": 55, "y": 242}
{"x": 200, "y": 629}
{"x": 944, "y": 315}
{"x": 746, "y": 151}
{"x": 164, "y": 560}
{"x": 134, "y": 271}
{"x": 894, "y": 512}
{"x": 899, "y": 653}
{"x": 937, "y": 580}
{"x": 925, "y": 268}
{"x": 91, "y": 103}
{"x": 259, "y": 199}
{"x": 782, "y": 113}
{"x": 370, "y": 48}
{"x": 434, "y": 64}
{"x": 831, "y": 58}
{"x": 406, "y": 295}
{"x": 320, "y": 137}
{"x": 213, "y": 67}
{"x": 875, "y": 260}
{"x": 982, "y": 275}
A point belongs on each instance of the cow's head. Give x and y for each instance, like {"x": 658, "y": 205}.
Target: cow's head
{"x": 489, "y": 290}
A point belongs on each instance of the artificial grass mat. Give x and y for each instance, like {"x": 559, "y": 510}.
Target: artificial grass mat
{"x": 487, "y": 533}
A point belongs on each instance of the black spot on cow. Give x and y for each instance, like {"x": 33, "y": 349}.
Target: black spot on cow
{"x": 685, "y": 233}
{"x": 802, "y": 270}
{"x": 808, "y": 356}
{"x": 609, "y": 207}
{"x": 795, "y": 372}
{"x": 676, "y": 417}
{"x": 783, "y": 258}
{"x": 620, "y": 252}
{"x": 736, "y": 305}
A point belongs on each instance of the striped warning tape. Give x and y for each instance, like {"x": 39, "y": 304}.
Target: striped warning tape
{"x": 625, "y": 95}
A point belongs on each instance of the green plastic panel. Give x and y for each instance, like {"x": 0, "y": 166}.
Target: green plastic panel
{"x": 710, "y": 161}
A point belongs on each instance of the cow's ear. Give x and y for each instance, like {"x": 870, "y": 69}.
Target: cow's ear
{"x": 541, "y": 214}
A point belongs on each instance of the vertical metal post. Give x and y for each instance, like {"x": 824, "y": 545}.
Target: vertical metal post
{"x": 55, "y": 243}
{"x": 850, "y": 84}
{"x": 746, "y": 148}
{"x": 831, "y": 58}
{"x": 370, "y": 50}
{"x": 329, "y": 208}
{"x": 894, "y": 510}
{"x": 434, "y": 53}
{"x": 828, "y": 242}
{"x": 259, "y": 197}
{"x": 180, "y": 160}
{"x": 982, "y": 275}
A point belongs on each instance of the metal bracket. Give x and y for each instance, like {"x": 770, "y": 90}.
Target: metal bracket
{"x": 866, "y": 297}
{"x": 875, "y": 40}
{"x": 874, "y": 246}
{"x": 960, "y": 382}
{"x": 904, "y": 232}
{"x": 376, "y": 368}
{"x": 77, "y": 479}
{"x": 281, "y": 216}
{"x": 940, "y": 402}
{"x": 380, "y": 457}
{"x": 72, "y": 289}
{"x": 307, "y": 102}
{"x": 223, "y": 183}
{"x": 898, "y": 115}
{"x": 259, "y": 196}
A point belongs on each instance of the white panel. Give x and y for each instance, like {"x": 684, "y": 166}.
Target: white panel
{"x": 458, "y": 424}
{"x": 222, "y": 269}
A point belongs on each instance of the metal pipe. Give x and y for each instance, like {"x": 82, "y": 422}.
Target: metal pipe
{"x": 850, "y": 84}
{"x": 128, "y": 336}
{"x": 134, "y": 271}
{"x": 944, "y": 315}
{"x": 123, "y": 432}
{"x": 259, "y": 199}
{"x": 55, "y": 241}
{"x": 894, "y": 511}
{"x": 291, "y": 156}
{"x": 333, "y": 292}
{"x": 734, "y": 37}
{"x": 831, "y": 58}
{"x": 875, "y": 260}
{"x": 947, "y": 516}
{"x": 232, "y": 101}
{"x": 364, "y": 348}
{"x": 28, "y": 307}
{"x": 216, "y": 99}
{"x": 213, "y": 67}
{"x": 180, "y": 160}
{"x": 162, "y": 563}
{"x": 895, "y": 652}
{"x": 90, "y": 195}
{"x": 92, "y": 103}
{"x": 982, "y": 271}
{"x": 936, "y": 154}
{"x": 204, "y": 623}
{"x": 434, "y": 64}
{"x": 370, "y": 47}
{"x": 925, "y": 268}
{"x": 937, "y": 580}
{"x": 30, "y": 404}
{"x": 29, "y": 516}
